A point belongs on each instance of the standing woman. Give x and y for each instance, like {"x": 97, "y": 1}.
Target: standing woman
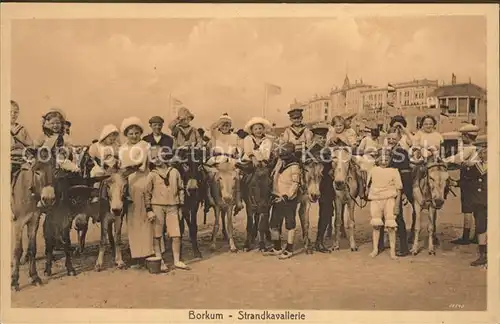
{"x": 134, "y": 153}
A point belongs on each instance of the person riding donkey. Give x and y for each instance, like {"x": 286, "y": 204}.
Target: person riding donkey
{"x": 224, "y": 146}
{"x": 20, "y": 141}
{"x": 469, "y": 134}
{"x": 338, "y": 135}
{"x": 104, "y": 154}
{"x": 186, "y": 136}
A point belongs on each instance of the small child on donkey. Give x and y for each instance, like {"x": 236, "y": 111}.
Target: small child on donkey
{"x": 286, "y": 180}
{"x": 384, "y": 193}
{"x": 163, "y": 198}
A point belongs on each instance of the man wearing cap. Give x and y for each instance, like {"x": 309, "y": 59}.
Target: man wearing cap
{"x": 469, "y": 134}
{"x": 297, "y": 133}
{"x": 157, "y": 138}
{"x": 325, "y": 202}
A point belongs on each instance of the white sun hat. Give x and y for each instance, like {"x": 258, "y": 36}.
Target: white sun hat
{"x": 257, "y": 120}
{"x": 131, "y": 121}
{"x": 108, "y": 130}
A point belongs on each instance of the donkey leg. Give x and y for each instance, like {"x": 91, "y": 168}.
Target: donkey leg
{"x": 250, "y": 220}
{"x": 118, "y": 246}
{"x": 431, "y": 230}
{"x": 224, "y": 231}
{"x": 215, "y": 229}
{"x": 18, "y": 251}
{"x": 351, "y": 225}
{"x": 102, "y": 244}
{"x": 416, "y": 233}
{"x": 67, "y": 249}
{"x": 193, "y": 231}
{"x": 32, "y": 231}
{"x": 229, "y": 214}
{"x": 339, "y": 226}
{"x": 111, "y": 238}
{"x": 50, "y": 242}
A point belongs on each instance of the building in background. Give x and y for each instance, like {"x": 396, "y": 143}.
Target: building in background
{"x": 316, "y": 109}
{"x": 410, "y": 100}
{"x": 460, "y": 103}
{"x": 348, "y": 98}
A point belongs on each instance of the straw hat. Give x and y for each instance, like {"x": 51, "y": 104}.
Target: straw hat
{"x": 255, "y": 121}
{"x": 469, "y": 129}
{"x": 131, "y": 121}
{"x": 108, "y": 130}
{"x": 57, "y": 111}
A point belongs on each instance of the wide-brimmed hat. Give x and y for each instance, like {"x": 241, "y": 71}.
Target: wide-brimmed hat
{"x": 156, "y": 119}
{"x": 108, "y": 130}
{"x": 469, "y": 129}
{"x": 131, "y": 121}
{"x": 255, "y": 121}
{"x": 184, "y": 113}
{"x": 55, "y": 111}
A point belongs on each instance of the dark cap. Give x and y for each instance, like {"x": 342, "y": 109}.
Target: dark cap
{"x": 295, "y": 113}
{"x": 156, "y": 119}
{"x": 67, "y": 123}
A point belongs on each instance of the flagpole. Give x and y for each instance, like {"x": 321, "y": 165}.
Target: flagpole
{"x": 264, "y": 108}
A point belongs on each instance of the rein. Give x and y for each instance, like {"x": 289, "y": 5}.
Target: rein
{"x": 348, "y": 188}
{"x": 424, "y": 181}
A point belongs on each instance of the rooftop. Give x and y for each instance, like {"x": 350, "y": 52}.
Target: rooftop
{"x": 463, "y": 89}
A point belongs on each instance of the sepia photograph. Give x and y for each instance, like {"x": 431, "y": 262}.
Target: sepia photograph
{"x": 251, "y": 168}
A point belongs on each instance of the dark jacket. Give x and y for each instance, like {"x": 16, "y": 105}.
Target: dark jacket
{"x": 478, "y": 182}
{"x": 165, "y": 141}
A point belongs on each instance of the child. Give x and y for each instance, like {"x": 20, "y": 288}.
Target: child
{"x": 257, "y": 146}
{"x": 104, "y": 153}
{"x": 339, "y": 134}
{"x": 183, "y": 133}
{"x": 286, "y": 182}
{"x": 20, "y": 140}
{"x": 427, "y": 139}
{"x": 399, "y": 122}
{"x": 478, "y": 195}
{"x": 163, "y": 197}
{"x": 384, "y": 193}
{"x": 348, "y": 125}
{"x": 469, "y": 134}
{"x": 297, "y": 133}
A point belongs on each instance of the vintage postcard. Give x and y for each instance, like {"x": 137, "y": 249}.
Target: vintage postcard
{"x": 250, "y": 163}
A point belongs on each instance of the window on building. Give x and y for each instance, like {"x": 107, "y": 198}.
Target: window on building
{"x": 326, "y": 117}
{"x": 442, "y": 102}
{"x": 326, "y": 110}
{"x": 472, "y": 106}
{"x": 473, "y": 121}
{"x": 452, "y": 106}
{"x": 418, "y": 121}
{"x": 462, "y": 107}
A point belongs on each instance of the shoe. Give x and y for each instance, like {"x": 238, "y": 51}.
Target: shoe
{"x": 272, "y": 252}
{"x": 482, "y": 260}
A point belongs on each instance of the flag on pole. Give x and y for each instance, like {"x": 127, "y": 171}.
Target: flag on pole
{"x": 273, "y": 89}
{"x": 390, "y": 88}
{"x": 176, "y": 102}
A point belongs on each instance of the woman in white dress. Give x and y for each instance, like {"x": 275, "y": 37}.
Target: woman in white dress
{"x": 134, "y": 152}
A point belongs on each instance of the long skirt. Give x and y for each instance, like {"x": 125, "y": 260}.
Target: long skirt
{"x": 140, "y": 230}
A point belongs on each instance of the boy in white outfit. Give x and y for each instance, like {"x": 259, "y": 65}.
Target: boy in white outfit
{"x": 384, "y": 193}
{"x": 163, "y": 197}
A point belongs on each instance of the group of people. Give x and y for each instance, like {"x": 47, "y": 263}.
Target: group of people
{"x": 156, "y": 189}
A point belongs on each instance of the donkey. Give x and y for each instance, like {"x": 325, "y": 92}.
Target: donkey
{"x": 429, "y": 186}
{"x": 309, "y": 192}
{"x": 345, "y": 185}
{"x": 224, "y": 188}
{"x": 256, "y": 190}
{"x": 112, "y": 208}
{"x": 31, "y": 185}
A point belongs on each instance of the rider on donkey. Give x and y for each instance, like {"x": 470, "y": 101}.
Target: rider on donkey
{"x": 224, "y": 147}
{"x": 297, "y": 133}
{"x": 20, "y": 141}
{"x": 339, "y": 135}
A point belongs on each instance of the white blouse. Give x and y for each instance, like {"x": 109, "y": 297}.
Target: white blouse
{"x": 133, "y": 154}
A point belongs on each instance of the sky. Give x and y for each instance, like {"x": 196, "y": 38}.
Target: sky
{"x": 104, "y": 70}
